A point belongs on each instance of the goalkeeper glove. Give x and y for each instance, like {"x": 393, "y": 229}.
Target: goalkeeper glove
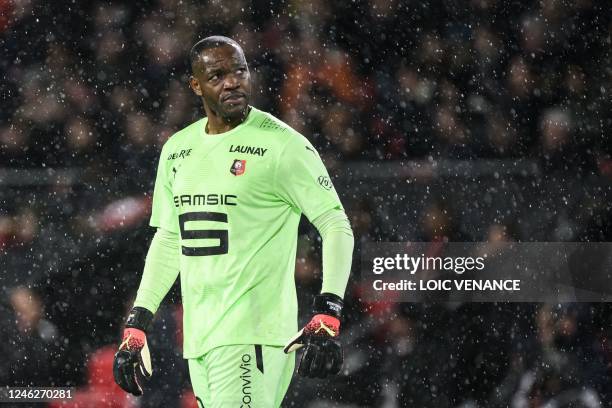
{"x": 133, "y": 354}
{"x": 322, "y": 354}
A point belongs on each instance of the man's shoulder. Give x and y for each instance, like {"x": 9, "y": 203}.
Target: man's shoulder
{"x": 271, "y": 125}
{"x": 185, "y": 135}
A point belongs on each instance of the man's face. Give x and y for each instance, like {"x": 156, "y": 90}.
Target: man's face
{"x": 221, "y": 77}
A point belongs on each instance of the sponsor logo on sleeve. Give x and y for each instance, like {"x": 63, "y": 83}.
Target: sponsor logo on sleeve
{"x": 309, "y": 148}
{"x": 325, "y": 182}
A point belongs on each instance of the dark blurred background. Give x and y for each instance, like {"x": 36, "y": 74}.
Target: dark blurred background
{"x": 475, "y": 120}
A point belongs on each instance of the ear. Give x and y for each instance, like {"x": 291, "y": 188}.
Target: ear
{"x": 195, "y": 85}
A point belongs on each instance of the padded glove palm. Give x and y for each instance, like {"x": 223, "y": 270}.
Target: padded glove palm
{"x": 133, "y": 360}
{"x": 322, "y": 355}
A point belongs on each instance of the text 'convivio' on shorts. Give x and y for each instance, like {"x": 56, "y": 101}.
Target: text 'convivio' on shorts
{"x": 247, "y": 376}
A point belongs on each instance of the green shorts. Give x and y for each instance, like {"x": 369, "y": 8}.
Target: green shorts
{"x": 241, "y": 376}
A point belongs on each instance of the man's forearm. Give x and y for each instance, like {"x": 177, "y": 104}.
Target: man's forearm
{"x": 160, "y": 271}
{"x": 338, "y": 245}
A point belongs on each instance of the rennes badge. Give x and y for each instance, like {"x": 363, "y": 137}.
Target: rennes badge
{"x": 238, "y": 167}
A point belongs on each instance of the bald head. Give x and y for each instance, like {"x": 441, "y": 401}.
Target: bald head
{"x": 214, "y": 41}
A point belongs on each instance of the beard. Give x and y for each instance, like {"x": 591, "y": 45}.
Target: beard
{"x": 229, "y": 112}
{"x": 233, "y": 112}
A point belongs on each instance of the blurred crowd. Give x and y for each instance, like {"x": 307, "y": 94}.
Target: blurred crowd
{"x": 376, "y": 80}
{"x": 96, "y": 89}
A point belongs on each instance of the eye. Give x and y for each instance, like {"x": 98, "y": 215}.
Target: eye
{"x": 214, "y": 77}
{"x": 240, "y": 71}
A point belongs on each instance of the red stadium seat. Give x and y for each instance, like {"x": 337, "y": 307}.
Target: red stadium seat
{"x": 101, "y": 392}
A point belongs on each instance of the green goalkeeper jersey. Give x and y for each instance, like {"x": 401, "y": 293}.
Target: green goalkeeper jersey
{"x": 235, "y": 199}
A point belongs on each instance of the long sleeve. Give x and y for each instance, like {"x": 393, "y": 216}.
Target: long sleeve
{"x": 338, "y": 242}
{"x": 160, "y": 271}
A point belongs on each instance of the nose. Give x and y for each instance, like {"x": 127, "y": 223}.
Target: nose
{"x": 231, "y": 82}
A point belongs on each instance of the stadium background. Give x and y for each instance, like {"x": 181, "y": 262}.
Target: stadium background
{"x": 478, "y": 120}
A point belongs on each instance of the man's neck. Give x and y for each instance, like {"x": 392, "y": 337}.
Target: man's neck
{"x": 217, "y": 124}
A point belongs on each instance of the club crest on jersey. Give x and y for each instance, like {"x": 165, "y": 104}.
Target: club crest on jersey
{"x": 238, "y": 167}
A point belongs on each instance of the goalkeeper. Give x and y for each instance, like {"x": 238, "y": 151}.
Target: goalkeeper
{"x": 229, "y": 193}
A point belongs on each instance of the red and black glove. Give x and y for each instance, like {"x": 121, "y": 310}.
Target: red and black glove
{"x": 322, "y": 355}
{"x": 133, "y": 360}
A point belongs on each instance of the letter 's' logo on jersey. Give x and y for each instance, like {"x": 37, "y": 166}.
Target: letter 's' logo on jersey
{"x": 238, "y": 167}
{"x": 325, "y": 182}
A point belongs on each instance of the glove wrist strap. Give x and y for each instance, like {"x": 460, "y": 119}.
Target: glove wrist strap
{"x": 139, "y": 318}
{"x": 329, "y": 304}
